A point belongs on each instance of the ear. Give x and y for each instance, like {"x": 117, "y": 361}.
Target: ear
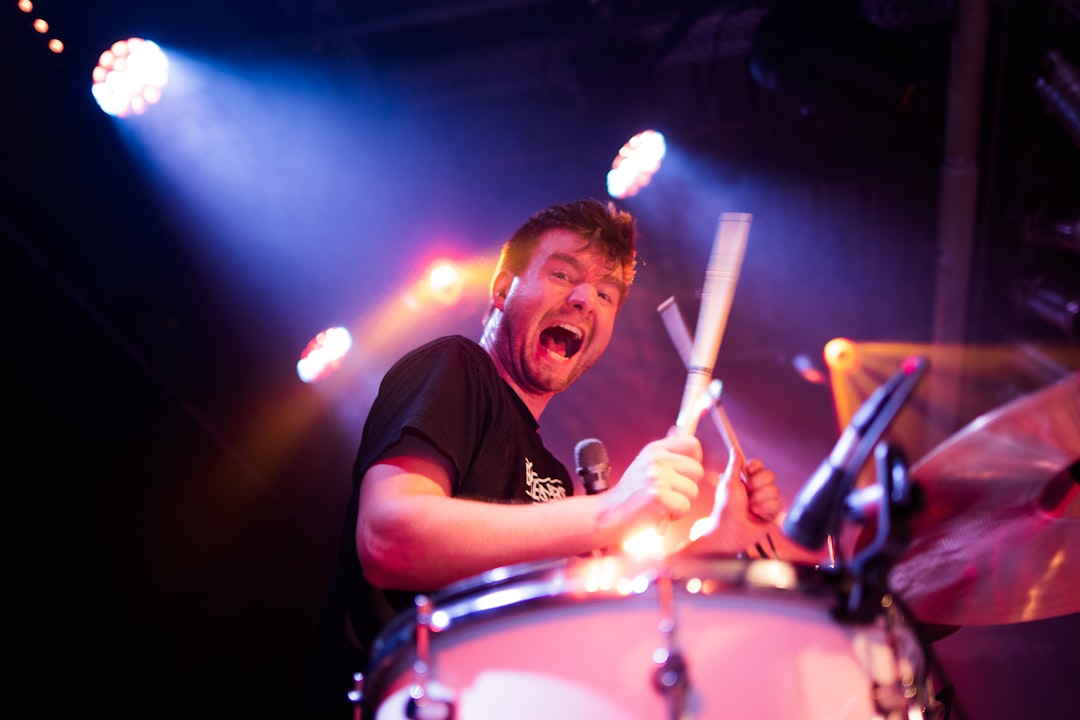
{"x": 500, "y": 287}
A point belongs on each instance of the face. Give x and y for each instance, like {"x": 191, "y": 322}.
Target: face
{"x": 557, "y": 315}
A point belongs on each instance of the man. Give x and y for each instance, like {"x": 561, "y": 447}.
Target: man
{"x": 452, "y": 478}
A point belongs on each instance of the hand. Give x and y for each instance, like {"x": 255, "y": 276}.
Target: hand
{"x": 659, "y": 485}
{"x": 763, "y": 495}
{"x": 748, "y": 503}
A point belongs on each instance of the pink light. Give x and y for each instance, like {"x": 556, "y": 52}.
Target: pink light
{"x": 129, "y": 77}
{"x": 324, "y": 354}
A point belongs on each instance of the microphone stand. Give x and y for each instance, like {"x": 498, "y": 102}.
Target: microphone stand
{"x": 890, "y": 501}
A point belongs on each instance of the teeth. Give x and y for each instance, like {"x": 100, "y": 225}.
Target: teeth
{"x": 571, "y": 329}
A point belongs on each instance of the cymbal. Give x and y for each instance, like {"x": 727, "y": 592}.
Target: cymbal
{"x": 999, "y": 539}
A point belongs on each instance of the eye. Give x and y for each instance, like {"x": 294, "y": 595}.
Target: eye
{"x": 560, "y": 275}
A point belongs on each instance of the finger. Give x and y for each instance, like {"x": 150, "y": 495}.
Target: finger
{"x": 761, "y": 479}
{"x": 765, "y": 505}
{"x": 687, "y": 445}
{"x": 678, "y": 484}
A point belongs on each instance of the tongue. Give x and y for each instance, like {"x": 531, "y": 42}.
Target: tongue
{"x": 554, "y": 343}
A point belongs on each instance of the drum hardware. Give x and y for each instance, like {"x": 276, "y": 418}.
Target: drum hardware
{"x": 577, "y": 639}
{"x": 818, "y": 508}
{"x": 888, "y": 503}
{"x": 356, "y": 696}
{"x": 830, "y": 499}
{"x": 863, "y": 590}
{"x": 421, "y": 705}
{"x": 671, "y": 677}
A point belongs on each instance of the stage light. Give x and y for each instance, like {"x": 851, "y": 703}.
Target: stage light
{"x": 638, "y": 160}
{"x": 1049, "y": 229}
{"x": 1060, "y": 93}
{"x": 129, "y": 77}
{"x": 804, "y": 365}
{"x": 41, "y": 26}
{"x": 445, "y": 283}
{"x": 324, "y": 354}
{"x": 1052, "y": 301}
{"x": 842, "y": 356}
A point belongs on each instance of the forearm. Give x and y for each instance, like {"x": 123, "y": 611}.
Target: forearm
{"x": 422, "y": 542}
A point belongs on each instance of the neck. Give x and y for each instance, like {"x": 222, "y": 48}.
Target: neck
{"x": 490, "y": 342}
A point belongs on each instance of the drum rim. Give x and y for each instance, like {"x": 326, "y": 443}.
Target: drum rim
{"x": 551, "y": 583}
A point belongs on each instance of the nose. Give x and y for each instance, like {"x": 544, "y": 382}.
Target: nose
{"x": 583, "y": 296}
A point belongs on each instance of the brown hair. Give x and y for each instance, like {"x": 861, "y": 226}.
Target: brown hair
{"x": 599, "y": 224}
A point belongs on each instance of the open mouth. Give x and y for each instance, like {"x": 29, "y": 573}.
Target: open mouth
{"x": 561, "y": 340}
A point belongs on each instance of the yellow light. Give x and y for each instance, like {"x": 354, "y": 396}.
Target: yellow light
{"x": 842, "y": 356}
{"x": 445, "y": 283}
{"x": 645, "y": 545}
{"x": 26, "y": 6}
{"x": 41, "y": 26}
{"x": 56, "y": 46}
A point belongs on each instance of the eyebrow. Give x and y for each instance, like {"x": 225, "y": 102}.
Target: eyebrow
{"x": 609, "y": 279}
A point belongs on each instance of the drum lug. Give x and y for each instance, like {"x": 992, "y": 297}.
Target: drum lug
{"x": 421, "y": 705}
{"x": 671, "y": 675}
{"x": 356, "y": 696}
{"x": 429, "y": 709}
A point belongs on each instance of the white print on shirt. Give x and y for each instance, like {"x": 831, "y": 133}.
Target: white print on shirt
{"x": 541, "y": 489}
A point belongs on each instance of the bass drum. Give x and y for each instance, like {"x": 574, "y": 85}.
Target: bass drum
{"x": 585, "y": 639}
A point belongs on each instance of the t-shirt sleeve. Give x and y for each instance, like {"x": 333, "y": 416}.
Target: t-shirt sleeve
{"x": 437, "y": 393}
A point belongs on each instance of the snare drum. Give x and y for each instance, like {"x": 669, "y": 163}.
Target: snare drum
{"x": 585, "y": 639}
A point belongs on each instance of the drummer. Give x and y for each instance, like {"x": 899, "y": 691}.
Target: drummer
{"x": 452, "y": 477}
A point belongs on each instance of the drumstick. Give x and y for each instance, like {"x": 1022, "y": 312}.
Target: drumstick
{"x": 680, "y": 338}
{"x": 721, "y": 276}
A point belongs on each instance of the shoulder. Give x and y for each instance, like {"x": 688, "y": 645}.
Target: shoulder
{"x": 454, "y": 349}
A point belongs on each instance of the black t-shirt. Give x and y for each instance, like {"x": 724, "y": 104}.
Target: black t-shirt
{"x": 449, "y": 393}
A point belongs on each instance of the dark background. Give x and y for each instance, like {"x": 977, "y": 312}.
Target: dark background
{"x": 179, "y": 493}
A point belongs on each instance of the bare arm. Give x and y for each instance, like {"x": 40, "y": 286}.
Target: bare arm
{"x": 412, "y": 535}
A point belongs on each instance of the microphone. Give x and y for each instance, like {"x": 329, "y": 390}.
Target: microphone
{"x": 814, "y": 509}
{"x": 592, "y": 465}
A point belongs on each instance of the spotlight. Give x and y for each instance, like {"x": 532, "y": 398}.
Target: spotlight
{"x": 445, "y": 283}
{"x": 805, "y": 367}
{"x": 130, "y": 77}
{"x": 1045, "y": 229}
{"x": 842, "y": 356}
{"x": 638, "y": 160}
{"x": 1060, "y": 93}
{"x": 41, "y": 25}
{"x": 324, "y": 354}
{"x": 1051, "y": 302}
